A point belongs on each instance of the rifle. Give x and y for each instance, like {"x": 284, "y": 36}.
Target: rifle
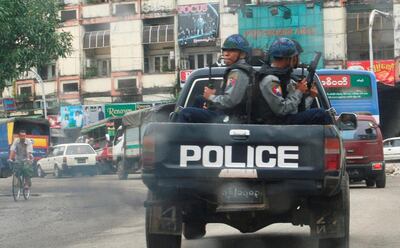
{"x": 312, "y": 69}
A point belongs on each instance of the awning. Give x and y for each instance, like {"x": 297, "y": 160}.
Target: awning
{"x": 96, "y": 39}
{"x": 158, "y": 34}
{"x": 137, "y": 118}
{"x": 98, "y": 124}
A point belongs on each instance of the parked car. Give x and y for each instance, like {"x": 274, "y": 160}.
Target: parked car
{"x": 364, "y": 152}
{"x": 68, "y": 159}
{"x": 391, "y": 149}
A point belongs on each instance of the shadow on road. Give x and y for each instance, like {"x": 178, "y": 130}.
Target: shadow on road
{"x": 270, "y": 240}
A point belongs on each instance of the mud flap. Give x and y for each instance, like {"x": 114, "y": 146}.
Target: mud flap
{"x": 165, "y": 219}
{"x": 327, "y": 222}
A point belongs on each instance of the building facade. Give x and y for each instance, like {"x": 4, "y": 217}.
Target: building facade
{"x": 129, "y": 51}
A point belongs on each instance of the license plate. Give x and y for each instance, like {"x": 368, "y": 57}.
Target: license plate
{"x": 241, "y": 193}
{"x": 81, "y": 160}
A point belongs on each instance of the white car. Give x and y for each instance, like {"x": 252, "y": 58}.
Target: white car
{"x": 68, "y": 159}
{"x": 391, "y": 149}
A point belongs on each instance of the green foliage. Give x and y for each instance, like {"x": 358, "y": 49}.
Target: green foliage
{"x": 29, "y": 36}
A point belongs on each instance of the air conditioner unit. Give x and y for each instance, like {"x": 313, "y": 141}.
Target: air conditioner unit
{"x": 117, "y": 7}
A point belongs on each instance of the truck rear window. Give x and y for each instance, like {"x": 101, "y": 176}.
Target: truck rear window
{"x": 79, "y": 149}
{"x": 365, "y": 131}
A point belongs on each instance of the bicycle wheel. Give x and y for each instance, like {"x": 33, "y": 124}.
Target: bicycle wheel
{"x": 26, "y": 190}
{"x": 16, "y": 187}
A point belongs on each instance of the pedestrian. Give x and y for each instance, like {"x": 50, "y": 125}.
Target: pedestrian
{"x": 231, "y": 103}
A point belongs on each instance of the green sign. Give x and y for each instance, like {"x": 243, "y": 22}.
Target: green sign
{"x": 119, "y": 109}
{"x": 360, "y": 87}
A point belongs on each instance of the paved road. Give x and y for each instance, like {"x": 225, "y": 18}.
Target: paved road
{"x": 102, "y": 211}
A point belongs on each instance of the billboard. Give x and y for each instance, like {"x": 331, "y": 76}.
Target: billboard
{"x": 93, "y": 113}
{"x": 9, "y": 104}
{"x": 71, "y": 116}
{"x": 118, "y": 109}
{"x": 384, "y": 69}
{"x": 347, "y": 86}
{"x": 296, "y": 21}
{"x": 198, "y": 23}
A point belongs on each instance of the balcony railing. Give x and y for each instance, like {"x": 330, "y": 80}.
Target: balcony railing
{"x": 158, "y": 34}
{"x": 96, "y": 39}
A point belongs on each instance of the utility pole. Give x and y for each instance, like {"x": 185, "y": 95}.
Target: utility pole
{"x": 371, "y": 24}
{"x": 39, "y": 79}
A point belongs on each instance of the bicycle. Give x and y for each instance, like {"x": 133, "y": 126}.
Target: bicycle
{"x": 18, "y": 180}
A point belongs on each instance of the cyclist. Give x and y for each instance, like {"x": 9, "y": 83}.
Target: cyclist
{"x": 21, "y": 152}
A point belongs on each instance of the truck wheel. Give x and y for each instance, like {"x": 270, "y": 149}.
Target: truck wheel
{"x": 121, "y": 172}
{"x": 160, "y": 240}
{"x": 341, "y": 205}
{"x": 381, "y": 181}
{"x": 370, "y": 182}
{"x": 194, "y": 230}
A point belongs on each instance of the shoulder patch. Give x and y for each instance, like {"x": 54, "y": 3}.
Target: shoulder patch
{"x": 277, "y": 90}
{"x": 232, "y": 78}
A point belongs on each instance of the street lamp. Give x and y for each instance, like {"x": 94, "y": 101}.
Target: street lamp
{"x": 39, "y": 79}
{"x": 371, "y": 24}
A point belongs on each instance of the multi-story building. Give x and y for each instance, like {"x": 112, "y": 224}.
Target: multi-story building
{"x": 128, "y": 51}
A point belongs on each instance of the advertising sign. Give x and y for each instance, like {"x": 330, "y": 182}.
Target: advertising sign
{"x": 9, "y": 104}
{"x": 384, "y": 69}
{"x": 71, "y": 116}
{"x": 184, "y": 74}
{"x": 294, "y": 21}
{"x": 346, "y": 86}
{"x": 54, "y": 121}
{"x": 198, "y": 23}
{"x": 118, "y": 109}
{"x": 93, "y": 113}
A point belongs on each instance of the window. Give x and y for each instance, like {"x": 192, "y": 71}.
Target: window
{"x": 200, "y": 61}
{"x": 25, "y": 90}
{"x": 365, "y": 131}
{"x": 146, "y": 65}
{"x": 104, "y": 67}
{"x": 157, "y": 63}
{"x": 70, "y": 87}
{"x": 358, "y": 36}
{"x": 67, "y": 15}
{"x": 79, "y": 149}
{"x": 192, "y": 64}
{"x": 127, "y": 86}
{"x": 124, "y": 9}
{"x": 238, "y": 2}
{"x": 198, "y": 87}
{"x": 47, "y": 72}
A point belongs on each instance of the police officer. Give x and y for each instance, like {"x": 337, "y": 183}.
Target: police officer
{"x": 236, "y": 79}
{"x": 282, "y": 94}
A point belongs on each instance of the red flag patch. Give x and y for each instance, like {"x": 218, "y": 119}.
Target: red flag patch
{"x": 277, "y": 90}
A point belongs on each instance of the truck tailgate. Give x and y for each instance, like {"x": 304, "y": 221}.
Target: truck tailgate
{"x": 219, "y": 150}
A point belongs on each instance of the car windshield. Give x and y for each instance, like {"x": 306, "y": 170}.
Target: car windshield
{"x": 365, "y": 131}
{"x": 79, "y": 149}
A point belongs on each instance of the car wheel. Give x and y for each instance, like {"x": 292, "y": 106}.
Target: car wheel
{"x": 370, "y": 182}
{"x": 40, "y": 172}
{"x": 121, "y": 172}
{"x": 57, "y": 172}
{"x": 381, "y": 181}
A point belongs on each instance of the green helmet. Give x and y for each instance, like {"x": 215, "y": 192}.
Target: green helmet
{"x": 236, "y": 42}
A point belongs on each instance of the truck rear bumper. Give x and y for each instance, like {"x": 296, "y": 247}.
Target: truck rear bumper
{"x": 363, "y": 171}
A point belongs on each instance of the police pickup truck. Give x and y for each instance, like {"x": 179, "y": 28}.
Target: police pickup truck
{"x": 244, "y": 175}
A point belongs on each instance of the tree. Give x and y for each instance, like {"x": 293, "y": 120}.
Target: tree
{"x": 30, "y": 36}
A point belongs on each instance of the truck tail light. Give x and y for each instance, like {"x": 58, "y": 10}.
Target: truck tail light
{"x": 148, "y": 152}
{"x": 332, "y": 154}
{"x": 377, "y": 166}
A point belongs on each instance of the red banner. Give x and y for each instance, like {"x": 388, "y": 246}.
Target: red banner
{"x": 384, "y": 69}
